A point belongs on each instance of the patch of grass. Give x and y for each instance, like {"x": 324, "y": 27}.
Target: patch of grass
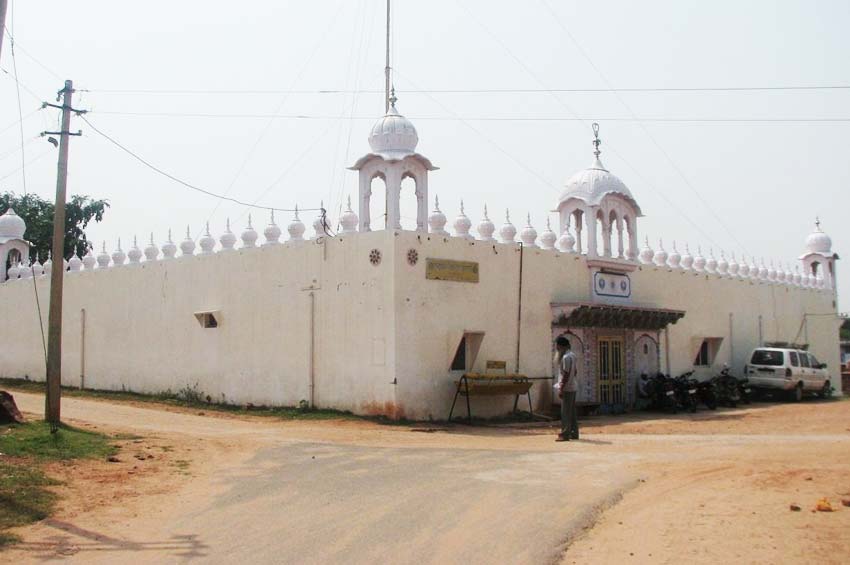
{"x": 34, "y": 440}
{"x": 23, "y": 498}
{"x": 190, "y": 397}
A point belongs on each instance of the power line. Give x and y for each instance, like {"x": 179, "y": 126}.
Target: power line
{"x": 564, "y": 105}
{"x": 456, "y": 117}
{"x": 323, "y": 91}
{"x": 655, "y": 142}
{"x": 184, "y": 183}
{"x": 279, "y": 106}
{"x": 20, "y": 111}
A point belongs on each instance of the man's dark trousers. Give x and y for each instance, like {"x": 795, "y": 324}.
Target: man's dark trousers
{"x": 569, "y": 422}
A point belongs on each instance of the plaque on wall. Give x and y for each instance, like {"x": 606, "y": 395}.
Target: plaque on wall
{"x": 449, "y": 270}
{"x": 612, "y": 285}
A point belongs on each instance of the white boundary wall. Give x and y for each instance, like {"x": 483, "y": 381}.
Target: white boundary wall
{"x": 384, "y": 335}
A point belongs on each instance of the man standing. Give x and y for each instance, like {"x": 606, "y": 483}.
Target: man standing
{"x": 566, "y": 388}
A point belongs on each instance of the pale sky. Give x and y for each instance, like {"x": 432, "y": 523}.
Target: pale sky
{"x": 765, "y": 180}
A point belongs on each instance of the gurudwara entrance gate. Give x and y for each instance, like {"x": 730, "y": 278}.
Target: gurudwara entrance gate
{"x": 613, "y": 345}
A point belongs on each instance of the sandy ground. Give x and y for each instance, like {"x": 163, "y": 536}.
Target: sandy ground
{"x": 645, "y": 489}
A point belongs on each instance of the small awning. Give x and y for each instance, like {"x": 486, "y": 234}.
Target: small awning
{"x": 588, "y": 315}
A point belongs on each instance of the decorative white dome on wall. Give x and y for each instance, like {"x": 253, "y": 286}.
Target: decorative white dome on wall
{"x": 819, "y": 242}
{"x": 393, "y": 136}
{"x": 486, "y": 227}
{"x": 12, "y": 226}
{"x": 594, "y": 183}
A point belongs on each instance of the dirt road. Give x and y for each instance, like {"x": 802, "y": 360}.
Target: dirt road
{"x": 699, "y": 489}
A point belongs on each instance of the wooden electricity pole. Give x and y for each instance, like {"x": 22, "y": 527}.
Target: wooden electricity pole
{"x": 3, "y": 5}
{"x": 54, "y": 324}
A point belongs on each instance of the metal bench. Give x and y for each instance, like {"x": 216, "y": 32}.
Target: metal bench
{"x": 496, "y": 381}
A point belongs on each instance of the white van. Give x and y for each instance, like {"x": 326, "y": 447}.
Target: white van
{"x": 792, "y": 370}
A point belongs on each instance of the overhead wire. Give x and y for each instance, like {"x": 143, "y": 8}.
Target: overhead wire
{"x": 328, "y": 91}
{"x": 456, "y": 117}
{"x": 646, "y": 131}
{"x": 160, "y": 171}
{"x": 20, "y": 109}
{"x": 569, "y": 109}
{"x": 279, "y": 106}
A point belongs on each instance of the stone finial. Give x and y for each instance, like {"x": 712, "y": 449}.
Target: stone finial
{"x": 734, "y": 267}
{"x": 762, "y": 271}
{"x": 486, "y": 228}
{"x": 567, "y": 242}
{"x": 462, "y": 224}
{"x": 711, "y": 263}
{"x": 37, "y": 267}
{"x": 103, "y": 258}
{"x": 660, "y": 258}
{"x": 25, "y": 270}
{"x": 135, "y": 254}
{"x": 507, "y": 232}
{"x": 699, "y": 261}
{"x": 48, "y": 265}
{"x": 187, "y": 246}
{"x": 744, "y": 268}
{"x": 14, "y": 271}
{"x": 674, "y": 260}
{"x": 528, "y": 235}
{"x": 249, "y": 235}
{"x": 771, "y": 272}
{"x": 797, "y": 277}
{"x": 272, "y": 232}
{"x": 754, "y": 269}
{"x": 548, "y": 237}
{"x": 89, "y": 260}
{"x": 722, "y": 265}
{"x": 118, "y": 256}
{"x": 296, "y": 227}
{"x": 349, "y": 219}
{"x": 169, "y": 249}
{"x": 437, "y": 220}
{"x": 75, "y": 264}
{"x": 151, "y": 250}
{"x": 227, "y": 239}
{"x": 207, "y": 241}
{"x": 687, "y": 262}
{"x": 646, "y": 254}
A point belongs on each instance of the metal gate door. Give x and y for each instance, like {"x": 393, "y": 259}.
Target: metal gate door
{"x": 611, "y": 371}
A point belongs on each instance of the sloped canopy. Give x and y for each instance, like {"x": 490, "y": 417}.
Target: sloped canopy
{"x": 585, "y": 315}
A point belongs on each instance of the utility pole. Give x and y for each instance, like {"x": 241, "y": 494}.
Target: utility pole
{"x": 54, "y": 324}
{"x": 3, "y": 5}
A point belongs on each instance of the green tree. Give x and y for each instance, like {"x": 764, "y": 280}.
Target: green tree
{"x": 38, "y": 215}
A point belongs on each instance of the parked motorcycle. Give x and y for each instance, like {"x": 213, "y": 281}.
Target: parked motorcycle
{"x": 662, "y": 394}
{"x": 744, "y": 390}
{"x": 685, "y": 392}
{"x": 706, "y": 394}
{"x": 726, "y": 388}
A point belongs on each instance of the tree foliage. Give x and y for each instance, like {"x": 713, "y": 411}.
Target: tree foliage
{"x": 38, "y": 215}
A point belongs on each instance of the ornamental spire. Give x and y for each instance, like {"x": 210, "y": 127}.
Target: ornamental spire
{"x": 596, "y": 141}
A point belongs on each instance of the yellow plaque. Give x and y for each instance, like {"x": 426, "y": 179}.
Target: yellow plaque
{"x": 448, "y": 270}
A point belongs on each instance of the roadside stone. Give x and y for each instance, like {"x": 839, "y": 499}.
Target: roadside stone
{"x": 845, "y": 502}
{"x": 113, "y": 459}
{"x": 795, "y": 508}
{"x": 9, "y": 412}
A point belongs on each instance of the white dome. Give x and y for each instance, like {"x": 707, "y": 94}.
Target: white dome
{"x": 296, "y": 228}
{"x": 674, "y": 260}
{"x": 486, "y": 227}
{"x": 660, "y": 257}
{"x": 12, "y": 226}
{"x": 249, "y": 235}
{"x": 228, "y": 238}
{"x": 548, "y": 237}
{"x": 349, "y": 219}
{"x": 687, "y": 262}
{"x": 646, "y": 254}
{"x": 393, "y": 136}
{"x": 507, "y": 232}
{"x": 272, "y": 232}
{"x": 567, "y": 242}
{"x": 817, "y": 242}
{"x": 437, "y": 220}
{"x": 528, "y": 235}
{"x": 592, "y": 184}
{"x": 463, "y": 224}
{"x": 207, "y": 241}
